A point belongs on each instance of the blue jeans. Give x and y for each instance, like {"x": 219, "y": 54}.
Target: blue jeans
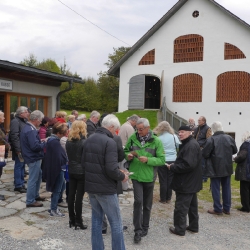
{"x": 34, "y": 182}
{"x": 18, "y": 173}
{"x": 109, "y": 205}
{"x": 58, "y": 190}
{"x": 225, "y": 183}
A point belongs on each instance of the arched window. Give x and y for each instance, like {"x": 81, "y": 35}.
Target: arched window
{"x": 232, "y": 52}
{"x": 187, "y": 88}
{"x": 233, "y": 86}
{"x": 148, "y": 58}
{"x": 188, "y": 48}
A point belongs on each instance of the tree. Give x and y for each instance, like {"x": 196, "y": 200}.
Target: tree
{"x": 49, "y": 65}
{"x": 118, "y": 53}
{"x": 30, "y": 60}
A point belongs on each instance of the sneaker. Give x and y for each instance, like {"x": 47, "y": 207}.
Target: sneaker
{"x": 56, "y": 213}
{"x": 104, "y": 231}
{"x": 62, "y": 204}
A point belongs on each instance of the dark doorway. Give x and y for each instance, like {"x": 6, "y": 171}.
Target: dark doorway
{"x": 1, "y": 102}
{"x": 152, "y": 92}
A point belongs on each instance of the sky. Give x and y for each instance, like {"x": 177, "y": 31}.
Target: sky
{"x": 49, "y": 29}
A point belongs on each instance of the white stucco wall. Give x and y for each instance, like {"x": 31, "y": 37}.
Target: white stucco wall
{"x": 216, "y": 27}
{"x": 38, "y": 89}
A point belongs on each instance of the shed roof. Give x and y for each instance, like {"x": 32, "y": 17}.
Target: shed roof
{"x": 115, "y": 70}
{"x": 20, "y": 72}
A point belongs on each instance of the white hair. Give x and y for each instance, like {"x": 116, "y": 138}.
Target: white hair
{"x": 36, "y": 114}
{"x": 245, "y": 136}
{"x": 109, "y": 121}
{"x": 20, "y": 110}
{"x": 133, "y": 118}
{"x": 144, "y": 121}
{"x": 81, "y": 117}
{"x": 94, "y": 113}
{"x": 216, "y": 126}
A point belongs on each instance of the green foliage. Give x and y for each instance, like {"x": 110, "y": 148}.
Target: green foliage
{"x": 30, "y": 60}
{"x": 118, "y": 53}
{"x": 49, "y": 65}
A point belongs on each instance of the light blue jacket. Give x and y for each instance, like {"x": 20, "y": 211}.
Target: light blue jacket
{"x": 169, "y": 145}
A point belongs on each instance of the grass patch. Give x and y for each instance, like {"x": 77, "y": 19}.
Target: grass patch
{"x": 29, "y": 223}
{"x": 151, "y": 115}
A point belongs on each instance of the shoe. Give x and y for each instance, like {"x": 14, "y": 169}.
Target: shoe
{"x": 80, "y": 225}
{"x": 243, "y": 210}
{"x": 225, "y": 212}
{"x": 104, "y": 231}
{"x": 213, "y": 212}
{"x": 191, "y": 230}
{"x": 40, "y": 198}
{"x": 56, "y": 213}
{"x": 163, "y": 202}
{"x": 124, "y": 228}
{"x": 172, "y": 231}
{"x": 2, "y": 198}
{"x": 71, "y": 223}
{"x": 62, "y": 204}
{"x": 20, "y": 190}
{"x": 137, "y": 238}
{"x": 35, "y": 204}
{"x": 24, "y": 187}
{"x": 144, "y": 232}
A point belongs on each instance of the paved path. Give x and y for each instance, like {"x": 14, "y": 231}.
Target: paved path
{"x": 31, "y": 228}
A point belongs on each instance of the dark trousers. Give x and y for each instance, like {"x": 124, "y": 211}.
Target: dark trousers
{"x": 76, "y": 192}
{"x": 186, "y": 204}
{"x": 245, "y": 195}
{"x": 165, "y": 179}
{"x": 225, "y": 183}
{"x": 143, "y": 200}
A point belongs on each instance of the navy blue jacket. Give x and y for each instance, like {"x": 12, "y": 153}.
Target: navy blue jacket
{"x": 31, "y": 145}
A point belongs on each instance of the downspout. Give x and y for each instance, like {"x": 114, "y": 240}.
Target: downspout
{"x": 61, "y": 92}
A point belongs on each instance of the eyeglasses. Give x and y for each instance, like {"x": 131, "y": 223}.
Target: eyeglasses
{"x": 140, "y": 129}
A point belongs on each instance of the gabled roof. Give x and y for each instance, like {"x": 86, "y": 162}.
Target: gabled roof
{"x": 115, "y": 70}
{"x": 30, "y": 74}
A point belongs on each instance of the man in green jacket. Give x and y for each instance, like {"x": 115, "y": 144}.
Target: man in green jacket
{"x": 144, "y": 151}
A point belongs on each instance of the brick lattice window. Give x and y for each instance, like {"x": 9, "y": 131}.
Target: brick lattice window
{"x": 187, "y": 88}
{"x": 148, "y": 58}
{"x": 188, "y": 48}
{"x": 232, "y": 52}
{"x": 233, "y": 86}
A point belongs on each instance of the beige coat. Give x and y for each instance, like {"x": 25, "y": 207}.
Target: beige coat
{"x": 125, "y": 132}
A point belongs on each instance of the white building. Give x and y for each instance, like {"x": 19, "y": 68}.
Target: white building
{"x": 197, "y": 56}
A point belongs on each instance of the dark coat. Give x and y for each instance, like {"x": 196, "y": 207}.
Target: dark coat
{"x": 218, "y": 152}
{"x": 16, "y": 126}
{"x": 241, "y": 160}
{"x": 74, "y": 149}
{"x": 91, "y": 127}
{"x": 54, "y": 159}
{"x": 32, "y": 147}
{"x": 187, "y": 168}
{"x": 101, "y": 163}
{"x": 200, "y": 134}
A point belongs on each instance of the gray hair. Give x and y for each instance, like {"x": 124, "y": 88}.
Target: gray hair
{"x": 36, "y": 114}
{"x": 133, "y": 118}
{"x": 216, "y": 126}
{"x": 245, "y": 136}
{"x": 163, "y": 127}
{"x": 81, "y": 117}
{"x": 1, "y": 113}
{"x": 109, "y": 121}
{"x": 20, "y": 110}
{"x": 144, "y": 121}
{"x": 94, "y": 113}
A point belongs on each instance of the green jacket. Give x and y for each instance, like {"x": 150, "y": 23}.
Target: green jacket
{"x": 153, "y": 149}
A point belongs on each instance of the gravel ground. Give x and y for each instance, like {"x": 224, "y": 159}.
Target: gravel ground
{"x": 216, "y": 232}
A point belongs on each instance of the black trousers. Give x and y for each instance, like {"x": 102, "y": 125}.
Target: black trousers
{"x": 165, "y": 179}
{"x": 245, "y": 195}
{"x": 186, "y": 204}
{"x": 76, "y": 193}
{"x": 143, "y": 200}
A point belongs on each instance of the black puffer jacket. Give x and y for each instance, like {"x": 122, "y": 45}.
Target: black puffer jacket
{"x": 241, "y": 160}
{"x": 187, "y": 168}
{"x": 218, "y": 152}
{"x": 101, "y": 163}
{"x": 16, "y": 126}
{"x": 74, "y": 149}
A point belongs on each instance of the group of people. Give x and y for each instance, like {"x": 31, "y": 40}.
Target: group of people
{"x": 98, "y": 156}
